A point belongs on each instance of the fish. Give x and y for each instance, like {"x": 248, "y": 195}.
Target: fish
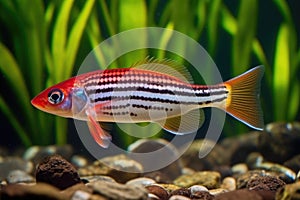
{"x": 151, "y": 93}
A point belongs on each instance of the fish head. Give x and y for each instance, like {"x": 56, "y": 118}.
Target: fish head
{"x": 62, "y": 99}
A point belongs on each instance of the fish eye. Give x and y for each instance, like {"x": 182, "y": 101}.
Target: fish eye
{"x": 55, "y": 96}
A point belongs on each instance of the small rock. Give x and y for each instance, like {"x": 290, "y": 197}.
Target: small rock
{"x": 14, "y": 163}
{"x": 169, "y": 187}
{"x": 182, "y": 192}
{"x": 215, "y": 158}
{"x": 39, "y": 191}
{"x": 118, "y": 191}
{"x": 58, "y": 172}
{"x": 265, "y": 183}
{"x": 79, "y": 161}
{"x": 187, "y": 171}
{"x": 37, "y": 153}
{"x": 179, "y": 197}
{"x": 240, "y": 168}
{"x": 203, "y": 195}
{"x": 243, "y": 179}
{"x": 152, "y": 197}
{"x": 158, "y": 191}
{"x": 283, "y": 172}
{"x": 238, "y": 148}
{"x": 119, "y": 167}
{"x": 81, "y": 195}
{"x": 229, "y": 183}
{"x": 289, "y": 192}
{"x": 197, "y": 188}
{"x": 142, "y": 181}
{"x": 19, "y": 176}
{"x": 217, "y": 191}
{"x": 91, "y": 179}
{"x": 159, "y": 177}
{"x": 170, "y": 171}
{"x": 254, "y": 159}
{"x": 275, "y": 137}
{"x": 209, "y": 179}
{"x": 70, "y": 191}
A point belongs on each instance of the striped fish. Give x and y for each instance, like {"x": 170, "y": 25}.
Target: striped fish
{"x": 151, "y": 93}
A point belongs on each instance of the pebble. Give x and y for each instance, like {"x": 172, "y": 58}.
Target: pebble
{"x": 285, "y": 173}
{"x": 19, "y": 176}
{"x": 254, "y": 159}
{"x": 142, "y": 181}
{"x": 229, "y": 183}
{"x": 240, "y": 168}
{"x": 243, "y": 179}
{"x": 172, "y": 170}
{"x": 203, "y": 195}
{"x": 58, "y": 172}
{"x": 118, "y": 191}
{"x": 169, "y": 187}
{"x": 217, "y": 191}
{"x": 182, "y": 192}
{"x": 178, "y": 197}
{"x": 289, "y": 192}
{"x": 243, "y": 194}
{"x": 81, "y": 195}
{"x": 37, "y": 153}
{"x": 119, "y": 167}
{"x": 158, "y": 191}
{"x": 209, "y": 179}
{"x": 197, "y": 188}
{"x": 152, "y": 197}
{"x": 265, "y": 183}
{"x": 91, "y": 179}
{"x": 79, "y": 161}
{"x": 14, "y": 163}
{"x": 280, "y": 141}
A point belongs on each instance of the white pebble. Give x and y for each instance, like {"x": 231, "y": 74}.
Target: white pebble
{"x": 198, "y": 188}
{"x": 81, "y": 195}
{"x": 229, "y": 183}
{"x": 142, "y": 181}
{"x": 217, "y": 191}
{"x": 239, "y": 168}
{"x": 152, "y": 196}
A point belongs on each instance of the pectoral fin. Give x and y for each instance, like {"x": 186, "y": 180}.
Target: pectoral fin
{"x": 100, "y": 136}
{"x": 184, "y": 124}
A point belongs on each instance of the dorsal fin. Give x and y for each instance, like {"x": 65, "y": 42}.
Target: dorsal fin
{"x": 165, "y": 66}
{"x": 184, "y": 124}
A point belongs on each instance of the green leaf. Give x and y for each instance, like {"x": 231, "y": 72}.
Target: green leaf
{"x": 75, "y": 38}
{"x": 281, "y": 72}
{"x": 59, "y": 39}
{"x": 213, "y": 24}
{"x": 244, "y": 37}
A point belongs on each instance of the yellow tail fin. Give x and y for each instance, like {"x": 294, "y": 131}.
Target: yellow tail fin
{"x": 243, "y": 100}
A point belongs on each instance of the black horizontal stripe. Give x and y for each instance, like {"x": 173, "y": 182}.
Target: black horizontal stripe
{"x": 151, "y": 99}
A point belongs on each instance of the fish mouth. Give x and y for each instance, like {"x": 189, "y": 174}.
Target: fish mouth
{"x": 36, "y": 102}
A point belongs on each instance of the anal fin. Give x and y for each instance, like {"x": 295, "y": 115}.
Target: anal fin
{"x": 184, "y": 124}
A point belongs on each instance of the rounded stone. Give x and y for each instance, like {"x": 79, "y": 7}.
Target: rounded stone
{"x": 158, "y": 191}
{"x": 178, "y": 197}
{"x": 58, "y": 172}
{"x": 198, "y": 188}
{"x": 142, "y": 181}
{"x": 209, "y": 179}
{"x": 229, "y": 183}
{"x": 19, "y": 176}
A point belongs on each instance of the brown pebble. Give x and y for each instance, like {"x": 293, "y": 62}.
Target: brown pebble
{"x": 182, "y": 192}
{"x": 58, "y": 172}
{"x": 158, "y": 191}
{"x": 203, "y": 195}
{"x": 243, "y": 194}
{"x": 265, "y": 183}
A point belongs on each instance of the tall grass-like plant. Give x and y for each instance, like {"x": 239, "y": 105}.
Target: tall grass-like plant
{"x": 43, "y": 43}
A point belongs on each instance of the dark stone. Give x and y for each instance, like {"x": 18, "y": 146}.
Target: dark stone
{"x": 31, "y": 192}
{"x": 265, "y": 183}
{"x": 170, "y": 171}
{"x": 58, "y": 172}
{"x": 203, "y": 195}
{"x": 213, "y": 159}
{"x": 158, "y": 191}
{"x": 182, "y": 191}
{"x": 238, "y": 148}
{"x": 293, "y": 163}
{"x": 280, "y": 141}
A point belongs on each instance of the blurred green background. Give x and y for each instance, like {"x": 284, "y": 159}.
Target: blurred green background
{"x": 44, "y": 42}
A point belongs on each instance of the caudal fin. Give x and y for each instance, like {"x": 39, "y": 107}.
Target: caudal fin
{"x": 243, "y": 101}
